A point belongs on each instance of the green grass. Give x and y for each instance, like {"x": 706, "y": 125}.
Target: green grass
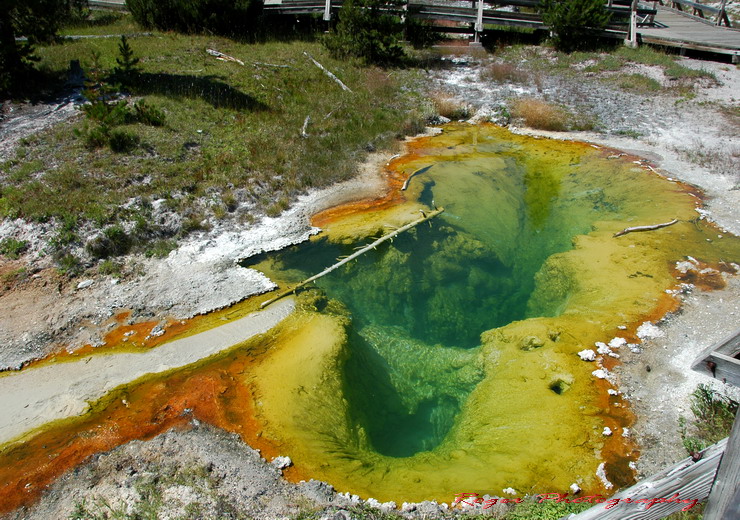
{"x": 227, "y": 128}
{"x": 636, "y": 83}
{"x": 100, "y": 23}
{"x": 610, "y": 60}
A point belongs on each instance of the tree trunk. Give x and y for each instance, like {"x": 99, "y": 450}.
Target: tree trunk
{"x": 10, "y": 57}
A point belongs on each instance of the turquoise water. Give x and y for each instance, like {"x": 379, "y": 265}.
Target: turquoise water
{"x": 419, "y": 304}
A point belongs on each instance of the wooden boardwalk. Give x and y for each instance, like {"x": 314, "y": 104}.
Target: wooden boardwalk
{"x": 671, "y": 28}
{"x": 674, "y": 29}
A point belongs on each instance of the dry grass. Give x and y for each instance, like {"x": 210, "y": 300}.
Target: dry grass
{"x": 449, "y": 107}
{"x": 504, "y": 73}
{"x": 539, "y": 114}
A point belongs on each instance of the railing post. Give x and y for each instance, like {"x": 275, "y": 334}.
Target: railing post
{"x": 479, "y": 22}
{"x": 631, "y": 40}
{"x": 327, "y": 11}
{"x": 722, "y": 14}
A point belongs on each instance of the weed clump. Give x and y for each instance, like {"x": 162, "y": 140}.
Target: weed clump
{"x": 504, "y": 72}
{"x": 449, "y": 107}
{"x": 539, "y": 114}
{"x": 13, "y": 248}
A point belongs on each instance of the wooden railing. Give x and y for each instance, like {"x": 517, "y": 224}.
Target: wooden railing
{"x": 715, "y": 15}
{"x": 112, "y": 5}
{"x": 481, "y": 13}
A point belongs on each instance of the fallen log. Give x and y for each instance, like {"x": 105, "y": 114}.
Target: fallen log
{"x": 644, "y": 228}
{"x": 351, "y": 257}
{"x": 328, "y": 73}
{"x": 224, "y": 57}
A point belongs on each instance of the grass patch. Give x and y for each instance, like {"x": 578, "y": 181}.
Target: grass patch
{"x": 13, "y": 248}
{"x": 94, "y": 22}
{"x": 449, "y": 107}
{"x": 539, "y": 114}
{"x": 217, "y": 127}
{"x": 504, "y": 72}
{"x": 638, "y": 83}
{"x": 713, "y": 413}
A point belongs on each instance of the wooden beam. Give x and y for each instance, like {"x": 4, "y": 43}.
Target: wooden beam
{"x": 721, "y": 360}
{"x": 389, "y": 236}
{"x": 724, "y": 500}
{"x": 685, "y": 481}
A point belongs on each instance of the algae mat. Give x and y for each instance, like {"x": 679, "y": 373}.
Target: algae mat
{"x": 446, "y": 362}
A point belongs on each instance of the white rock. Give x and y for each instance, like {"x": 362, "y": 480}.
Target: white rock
{"x": 602, "y": 348}
{"x": 617, "y": 342}
{"x": 607, "y": 431}
{"x": 575, "y": 488}
{"x": 587, "y": 355}
{"x": 626, "y": 432}
{"x": 281, "y": 462}
{"x": 371, "y": 502}
{"x": 648, "y": 331}
{"x": 601, "y": 373}
{"x": 388, "y": 506}
{"x": 84, "y": 284}
{"x": 510, "y": 491}
{"x": 611, "y": 391}
{"x": 407, "y": 507}
{"x": 622, "y": 327}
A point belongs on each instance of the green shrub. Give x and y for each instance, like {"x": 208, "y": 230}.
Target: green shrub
{"x": 126, "y": 67}
{"x": 148, "y": 114}
{"x": 37, "y": 21}
{"x": 368, "y": 29}
{"x": 68, "y": 264}
{"x": 421, "y": 33}
{"x": 226, "y": 17}
{"x": 114, "y": 241}
{"x": 714, "y": 414}
{"x": 110, "y": 267}
{"x": 13, "y": 248}
{"x": 574, "y": 22}
{"x": 122, "y": 141}
{"x": 547, "y": 510}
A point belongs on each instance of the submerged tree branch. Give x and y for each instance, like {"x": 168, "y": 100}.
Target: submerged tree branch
{"x": 644, "y": 228}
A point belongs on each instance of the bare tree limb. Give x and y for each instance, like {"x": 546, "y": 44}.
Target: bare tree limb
{"x": 332, "y": 76}
{"x": 645, "y": 228}
{"x": 305, "y": 126}
{"x": 224, "y": 57}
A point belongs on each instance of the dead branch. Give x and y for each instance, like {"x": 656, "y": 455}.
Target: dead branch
{"x": 644, "y": 228}
{"x": 224, "y": 57}
{"x": 332, "y": 76}
{"x": 263, "y": 64}
{"x": 305, "y": 126}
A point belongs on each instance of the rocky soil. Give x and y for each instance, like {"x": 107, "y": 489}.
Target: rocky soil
{"x": 688, "y": 139}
